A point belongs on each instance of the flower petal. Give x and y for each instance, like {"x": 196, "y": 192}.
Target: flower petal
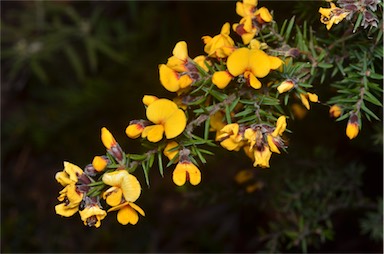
{"x": 260, "y": 63}
{"x": 237, "y": 62}
{"x": 168, "y": 78}
{"x": 221, "y": 79}
{"x": 127, "y": 215}
{"x": 131, "y": 188}
{"x": 160, "y": 110}
{"x": 153, "y": 133}
{"x": 175, "y": 124}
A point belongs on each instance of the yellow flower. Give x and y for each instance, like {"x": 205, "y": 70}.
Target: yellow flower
{"x": 285, "y": 86}
{"x": 221, "y": 79}
{"x": 353, "y": 126}
{"x": 172, "y": 80}
{"x": 127, "y": 213}
{"x": 332, "y": 15}
{"x": 246, "y": 8}
{"x": 281, "y": 125}
{"x": 230, "y": 138}
{"x": 245, "y": 29}
{"x": 220, "y": 45}
{"x": 71, "y": 199}
{"x": 134, "y": 129}
{"x": 335, "y": 111}
{"x": 262, "y": 156}
{"x": 69, "y": 175}
{"x": 148, "y": 99}
{"x": 253, "y": 63}
{"x": 263, "y": 15}
{"x": 179, "y": 59}
{"x": 171, "y": 154}
{"x": 129, "y": 185}
{"x": 186, "y": 171}
{"x": 99, "y": 163}
{"x": 168, "y": 119}
{"x": 92, "y": 215}
{"x": 311, "y": 96}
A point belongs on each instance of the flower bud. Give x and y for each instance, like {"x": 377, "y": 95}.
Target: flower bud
{"x": 99, "y": 163}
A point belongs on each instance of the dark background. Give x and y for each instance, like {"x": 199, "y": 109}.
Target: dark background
{"x": 57, "y": 116}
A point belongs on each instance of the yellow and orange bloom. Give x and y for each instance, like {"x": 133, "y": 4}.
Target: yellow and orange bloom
{"x": 220, "y": 46}
{"x": 253, "y": 64}
{"x": 186, "y": 171}
{"x": 168, "y": 120}
{"x": 92, "y": 215}
{"x": 252, "y": 19}
{"x": 335, "y": 111}
{"x": 127, "y": 213}
{"x": 353, "y": 127}
{"x": 230, "y": 137}
{"x": 71, "y": 199}
{"x": 69, "y": 175}
{"x": 286, "y": 86}
{"x": 332, "y": 15}
{"x": 124, "y": 185}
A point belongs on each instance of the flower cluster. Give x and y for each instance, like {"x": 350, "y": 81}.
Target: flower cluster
{"x": 235, "y": 91}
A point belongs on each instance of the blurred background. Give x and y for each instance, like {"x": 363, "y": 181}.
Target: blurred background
{"x": 69, "y": 68}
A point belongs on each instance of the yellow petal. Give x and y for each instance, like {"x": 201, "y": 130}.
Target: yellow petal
{"x": 253, "y": 81}
{"x": 168, "y": 78}
{"x": 171, "y": 154}
{"x": 114, "y": 178}
{"x": 305, "y": 101}
{"x": 185, "y": 81}
{"x": 63, "y": 210}
{"x": 352, "y": 130}
{"x": 313, "y": 97}
{"x": 272, "y": 145}
{"x": 72, "y": 170}
{"x": 160, "y": 110}
{"x": 221, "y": 79}
{"x": 225, "y": 29}
{"x": 275, "y": 62}
{"x": 180, "y": 50}
{"x": 148, "y": 99}
{"x": 262, "y": 157}
{"x": 134, "y": 130}
{"x": 153, "y": 133}
{"x": 175, "y": 124}
{"x": 180, "y": 173}
{"x": 63, "y": 178}
{"x": 99, "y": 163}
{"x": 259, "y": 63}
{"x": 107, "y": 138}
{"x": 113, "y": 198}
{"x": 335, "y": 111}
{"x": 237, "y": 62}
{"x": 285, "y": 86}
{"x": 127, "y": 215}
{"x": 137, "y": 208}
{"x": 281, "y": 125}
{"x": 264, "y": 14}
{"x": 131, "y": 188}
